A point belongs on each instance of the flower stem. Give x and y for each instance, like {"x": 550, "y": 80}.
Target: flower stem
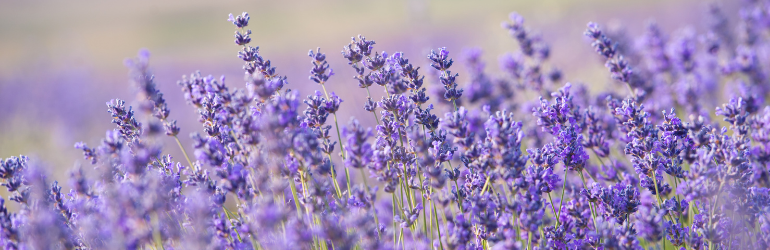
{"x": 486, "y": 184}
{"x": 294, "y": 195}
{"x": 561, "y": 202}
{"x": 339, "y": 138}
{"x": 374, "y": 209}
{"x": 183, "y": 151}
{"x": 368, "y": 94}
{"x": 552, "y": 207}
{"x": 590, "y": 204}
{"x": 438, "y": 227}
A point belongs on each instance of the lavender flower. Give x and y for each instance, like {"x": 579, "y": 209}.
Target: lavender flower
{"x": 440, "y": 61}
{"x": 318, "y": 72}
{"x": 358, "y": 149}
{"x": 124, "y": 118}
{"x": 263, "y": 173}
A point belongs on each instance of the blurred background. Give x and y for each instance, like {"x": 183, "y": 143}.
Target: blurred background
{"x": 61, "y": 61}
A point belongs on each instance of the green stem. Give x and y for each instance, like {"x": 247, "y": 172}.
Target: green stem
{"x": 334, "y": 179}
{"x": 347, "y": 179}
{"x": 676, "y": 186}
{"x": 486, "y": 183}
{"x": 405, "y": 190}
{"x": 368, "y": 94}
{"x": 296, "y": 199}
{"x": 254, "y": 242}
{"x": 227, "y": 213}
{"x": 657, "y": 195}
{"x": 438, "y": 227}
{"x": 374, "y": 210}
{"x": 590, "y": 205}
{"x": 424, "y": 216}
{"x": 339, "y": 138}
{"x": 459, "y": 200}
{"x": 552, "y": 207}
{"x": 561, "y": 202}
{"x": 529, "y": 239}
{"x": 156, "y": 230}
{"x": 183, "y": 151}
{"x": 393, "y": 196}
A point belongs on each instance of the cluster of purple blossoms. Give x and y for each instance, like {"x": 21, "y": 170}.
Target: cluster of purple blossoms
{"x": 498, "y": 170}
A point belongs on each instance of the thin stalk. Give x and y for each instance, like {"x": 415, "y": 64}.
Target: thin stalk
{"x": 561, "y": 202}
{"x": 237, "y": 142}
{"x": 339, "y": 138}
{"x": 294, "y": 194}
{"x": 336, "y": 125}
{"x": 422, "y": 194}
{"x": 493, "y": 189}
{"x": 183, "y": 151}
{"x": 409, "y": 197}
{"x": 386, "y": 91}
{"x": 254, "y": 242}
{"x": 400, "y": 238}
{"x": 156, "y": 230}
{"x": 375, "y": 112}
{"x": 529, "y": 239}
{"x": 714, "y": 208}
{"x": 676, "y": 187}
{"x": 227, "y": 213}
{"x": 552, "y": 207}
{"x": 363, "y": 175}
{"x": 393, "y": 197}
{"x": 600, "y": 161}
{"x": 513, "y": 222}
{"x": 486, "y": 183}
{"x": 459, "y": 201}
{"x": 430, "y": 218}
{"x": 424, "y": 216}
{"x": 374, "y": 210}
{"x": 334, "y": 180}
{"x": 438, "y": 227}
{"x": 347, "y": 179}
{"x": 304, "y": 188}
{"x": 310, "y": 216}
{"x": 442, "y": 215}
{"x": 320, "y": 240}
{"x": 590, "y": 205}
{"x": 458, "y": 188}
{"x": 657, "y": 195}
{"x": 405, "y": 190}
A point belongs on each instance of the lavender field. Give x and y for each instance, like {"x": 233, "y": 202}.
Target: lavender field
{"x": 385, "y": 125}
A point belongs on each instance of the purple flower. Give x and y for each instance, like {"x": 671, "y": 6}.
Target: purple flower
{"x": 316, "y": 112}
{"x": 440, "y": 61}
{"x": 531, "y": 44}
{"x": 263, "y": 172}
{"x": 570, "y": 148}
{"x": 242, "y": 38}
{"x": 123, "y": 116}
{"x": 619, "y": 201}
{"x": 239, "y": 21}
{"x": 358, "y": 149}
{"x": 318, "y": 72}
{"x": 601, "y": 43}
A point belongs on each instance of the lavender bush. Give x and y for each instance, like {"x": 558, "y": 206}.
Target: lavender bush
{"x": 498, "y": 169}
